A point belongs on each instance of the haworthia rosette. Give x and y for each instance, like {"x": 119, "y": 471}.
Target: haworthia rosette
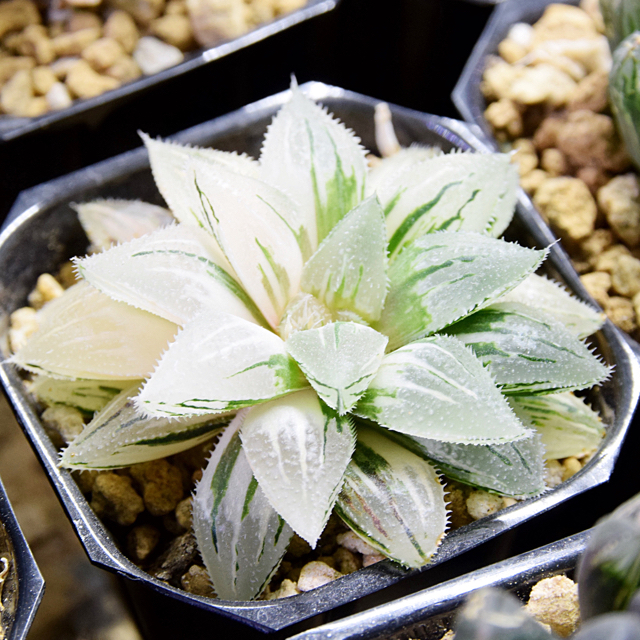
{"x": 219, "y": 362}
{"x": 528, "y": 351}
{"x": 393, "y": 499}
{"x": 110, "y": 222}
{"x": 86, "y": 334}
{"x": 442, "y": 277}
{"x": 240, "y": 536}
{"x": 435, "y": 388}
{"x": 567, "y": 425}
{"x": 173, "y": 273}
{"x": 119, "y": 436}
{"x": 298, "y": 449}
{"x": 317, "y": 161}
{"x": 339, "y": 360}
{"x": 349, "y": 269}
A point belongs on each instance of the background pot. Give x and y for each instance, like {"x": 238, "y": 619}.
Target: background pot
{"x": 24, "y": 586}
{"x": 427, "y": 614}
{"x": 42, "y": 231}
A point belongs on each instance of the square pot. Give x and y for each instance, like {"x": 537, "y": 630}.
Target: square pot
{"x": 42, "y": 231}
{"x": 14, "y": 127}
{"x": 24, "y": 585}
{"x": 426, "y": 615}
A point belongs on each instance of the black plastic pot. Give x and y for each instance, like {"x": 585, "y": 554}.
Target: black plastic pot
{"x": 427, "y": 614}
{"x": 12, "y": 127}
{"x": 42, "y": 231}
{"x": 23, "y": 586}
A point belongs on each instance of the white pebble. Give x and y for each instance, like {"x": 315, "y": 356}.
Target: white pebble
{"x": 153, "y": 55}
{"x": 58, "y": 97}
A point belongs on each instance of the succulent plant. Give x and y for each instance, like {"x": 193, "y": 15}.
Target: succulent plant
{"x": 356, "y": 329}
{"x": 621, "y": 19}
{"x": 624, "y": 93}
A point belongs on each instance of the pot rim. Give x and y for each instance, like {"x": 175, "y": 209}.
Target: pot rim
{"x": 30, "y": 580}
{"x": 277, "y": 614}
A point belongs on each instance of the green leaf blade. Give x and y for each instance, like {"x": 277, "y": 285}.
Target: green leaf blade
{"x": 528, "y": 351}
{"x": 435, "y": 388}
{"x": 442, "y": 277}
{"x": 299, "y": 449}
{"x": 393, "y": 499}
{"x": 339, "y": 360}
{"x": 349, "y": 269}
{"x": 240, "y": 536}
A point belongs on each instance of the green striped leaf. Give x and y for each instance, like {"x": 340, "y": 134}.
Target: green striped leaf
{"x": 317, "y": 161}
{"x": 453, "y": 192}
{"x": 86, "y": 395}
{"x": 528, "y": 351}
{"x": 173, "y": 273}
{"x": 393, "y": 499}
{"x": 120, "y": 436}
{"x": 298, "y": 449}
{"x": 109, "y": 222}
{"x": 339, "y": 360}
{"x": 86, "y": 334}
{"x": 219, "y": 362}
{"x": 567, "y": 425}
{"x": 442, "y": 277}
{"x": 240, "y": 536}
{"x": 435, "y": 388}
{"x": 550, "y": 297}
{"x": 349, "y": 269}
{"x": 512, "y": 469}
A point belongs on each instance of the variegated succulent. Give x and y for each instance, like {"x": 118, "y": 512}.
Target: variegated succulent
{"x": 360, "y": 329}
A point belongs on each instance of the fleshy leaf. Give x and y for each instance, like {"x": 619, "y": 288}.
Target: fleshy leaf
{"x": 299, "y": 449}
{"x": 349, "y": 269}
{"x": 240, "y": 536}
{"x": 567, "y": 425}
{"x": 120, "y": 436}
{"x": 86, "y": 395}
{"x": 339, "y": 360}
{"x": 86, "y": 334}
{"x": 172, "y": 273}
{"x": 220, "y": 362}
{"x": 528, "y": 351}
{"x": 393, "y": 499}
{"x": 442, "y": 277}
{"x": 388, "y": 170}
{"x": 511, "y": 469}
{"x": 550, "y": 297}
{"x": 255, "y": 226}
{"x": 452, "y": 192}
{"x": 317, "y": 161}
{"x": 109, "y": 222}
{"x": 435, "y": 388}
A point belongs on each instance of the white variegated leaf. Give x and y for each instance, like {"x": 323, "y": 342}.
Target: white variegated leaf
{"x": 393, "y": 499}
{"x": 513, "y": 469}
{"x": 388, "y": 170}
{"x": 339, "y": 360}
{"x": 240, "y": 536}
{"x": 442, "y": 277}
{"x": 86, "y": 395}
{"x": 528, "y": 351}
{"x": 548, "y": 296}
{"x": 86, "y": 334}
{"x": 172, "y": 273}
{"x": 109, "y": 222}
{"x": 256, "y": 227}
{"x": 349, "y": 269}
{"x": 298, "y": 449}
{"x": 317, "y": 161}
{"x": 435, "y": 388}
{"x": 120, "y": 436}
{"x": 219, "y": 362}
{"x": 453, "y": 192}
{"x": 567, "y": 425}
